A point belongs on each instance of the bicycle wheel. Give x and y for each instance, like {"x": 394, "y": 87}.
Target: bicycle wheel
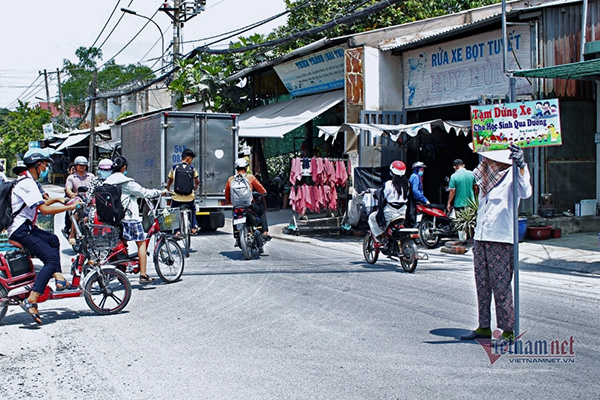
{"x": 169, "y": 260}
{"x": 244, "y": 245}
{"x": 409, "y": 256}
{"x": 3, "y": 302}
{"x": 186, "y": 231}
{"x": 107, "y": 292}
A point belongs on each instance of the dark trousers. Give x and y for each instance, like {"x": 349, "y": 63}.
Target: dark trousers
{"x": 258, "y": 209}
{"x": 191, "y": 205}
{"x": 45, "y": 246}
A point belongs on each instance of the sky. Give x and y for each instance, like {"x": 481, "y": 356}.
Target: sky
{"x": 40, "y": 34}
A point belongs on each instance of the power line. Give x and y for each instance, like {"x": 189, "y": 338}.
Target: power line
{"x": 14, "y": 102}
{"x": 106, "y": 23}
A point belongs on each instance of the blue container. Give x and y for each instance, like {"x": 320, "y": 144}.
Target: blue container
{"x": 523, "y": 228}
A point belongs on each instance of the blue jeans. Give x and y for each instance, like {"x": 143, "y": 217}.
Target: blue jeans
{"x": 45, "y": 246}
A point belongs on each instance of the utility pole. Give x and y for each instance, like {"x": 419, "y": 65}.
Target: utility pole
{"x": 92, "y": 120}
{"x": 47, "y": 89}
{"x": 60, "y": 94}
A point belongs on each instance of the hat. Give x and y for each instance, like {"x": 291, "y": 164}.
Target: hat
{"x": 105, "y": 164}
{"x": 80, "y": 160}
{"x": 458, "y": 162}
{"x": 501, "y": 156}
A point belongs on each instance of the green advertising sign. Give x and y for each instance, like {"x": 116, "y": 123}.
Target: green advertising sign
{"x": 527, "y": 124}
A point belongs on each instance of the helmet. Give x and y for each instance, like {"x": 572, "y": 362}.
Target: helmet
{"x": 33, "y": 156}
{"x": 105, "y": 164}
{"x": 241, "y": 163}
{"x": 419, "y": 164}
{"x": 398, "y": 168}
{"x": 80, "y": 160}
{"x": 118, "y": 163}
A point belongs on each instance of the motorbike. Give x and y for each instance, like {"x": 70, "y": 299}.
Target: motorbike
{"x": 434, "y": 225}
{"x": 400, "y": 245}
{"x": 106, "y": 289}
{"x": 247, "y": 231}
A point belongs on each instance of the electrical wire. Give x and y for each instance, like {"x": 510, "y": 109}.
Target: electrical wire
{"x": 106, "y": 23}
{"x": 14, "y": 102}
{"x": 114, "y": 27}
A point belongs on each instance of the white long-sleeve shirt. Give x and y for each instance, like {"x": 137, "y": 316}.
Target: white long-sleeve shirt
{"x": 495, "y": 215}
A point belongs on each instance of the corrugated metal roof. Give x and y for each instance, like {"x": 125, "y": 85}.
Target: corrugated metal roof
{"x": 583, "y": 70}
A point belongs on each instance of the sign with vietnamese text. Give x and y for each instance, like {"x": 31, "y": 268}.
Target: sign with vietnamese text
{"x": 462, "y": 70}
{"x": 527, "y": 124}
{"x": 315, "y": 73}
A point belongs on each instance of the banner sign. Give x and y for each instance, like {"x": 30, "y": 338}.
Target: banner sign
{"x": 315, "y": 73}
{"x": 48, "y": 130}
{"x": 527, "y": 124}
{"x": 463, "y": 70}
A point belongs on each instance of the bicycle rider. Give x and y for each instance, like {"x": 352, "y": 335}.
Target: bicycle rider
{"x": 186, "y": 197}
{"x": 27, "y": 199}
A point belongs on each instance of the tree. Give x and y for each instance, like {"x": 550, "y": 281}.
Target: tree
{"x": 203, "y": 77}
{"x": 111, "y": 76}
{"x": 19, "y": 127}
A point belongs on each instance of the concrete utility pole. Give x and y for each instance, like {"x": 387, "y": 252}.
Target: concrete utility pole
{"x": 92, "y": 120}
{"x": 47, "y": 89}
{"x": 60, "y": 94}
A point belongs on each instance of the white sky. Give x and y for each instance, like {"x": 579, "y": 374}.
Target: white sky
{"x": 40, "y": 34}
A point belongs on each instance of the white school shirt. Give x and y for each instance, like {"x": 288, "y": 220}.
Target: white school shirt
{"x": 25, "y": 191}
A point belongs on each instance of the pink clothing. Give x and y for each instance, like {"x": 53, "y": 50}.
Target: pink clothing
{"x": 295, "y": 170}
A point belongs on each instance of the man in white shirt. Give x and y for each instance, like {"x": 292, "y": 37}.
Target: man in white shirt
{"x": 494, "y": 244}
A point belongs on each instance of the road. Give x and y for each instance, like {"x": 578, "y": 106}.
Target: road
{"x": 309, "y": 319}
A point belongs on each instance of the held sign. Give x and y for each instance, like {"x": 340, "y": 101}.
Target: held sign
{"x": 526, "y": 124}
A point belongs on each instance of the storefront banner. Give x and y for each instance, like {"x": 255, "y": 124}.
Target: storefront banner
{"x": 527, "y": 124}
{"x": 466, "y": 69}
{"x": 315, "y": 73}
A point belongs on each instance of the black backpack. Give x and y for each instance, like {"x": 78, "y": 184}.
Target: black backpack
{"x": 109, "y": 208}
{"x": 183, "y": 176}
{"x": 6, "y": 214}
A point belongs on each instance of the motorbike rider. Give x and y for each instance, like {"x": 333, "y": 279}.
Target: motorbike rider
{"x": 80, "y": 177}
{"x": 416, "y": 182}
{"x": 132, "y": 222}
{"x": 241, "y": 164}
{"x": 27, "y": 199}
{"x": 393, "y": 200}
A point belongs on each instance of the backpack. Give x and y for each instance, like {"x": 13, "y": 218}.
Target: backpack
{"x": 6, "y": 214}
{"x": 183, "y": 176}
{"x": 109, "y": 208}
{"x": 240, "y": 191}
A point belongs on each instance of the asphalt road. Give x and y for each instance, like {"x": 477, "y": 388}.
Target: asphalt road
{"x": 310, "y": 319}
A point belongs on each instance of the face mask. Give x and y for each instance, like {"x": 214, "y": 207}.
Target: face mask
{"x": 103, "y": 174}
{"x": 421, "y": 173}
{"x": 43, "y": 175}
{"x": 125, "y": 173}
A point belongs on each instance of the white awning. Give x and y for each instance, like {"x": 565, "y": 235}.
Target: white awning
{"x": 275, "y": 120}
{"x": 394, "y": 131}
{"x": 72, "y": 140}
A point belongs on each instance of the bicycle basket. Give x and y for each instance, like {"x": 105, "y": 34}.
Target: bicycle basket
{"x": 168, "y": 218}
{"x": 101, "y": 239}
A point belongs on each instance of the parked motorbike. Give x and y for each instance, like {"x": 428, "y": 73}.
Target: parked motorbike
{"x": 434, "y": 225}
{"x": 400, "y": 244}
{"x": 247, "y": 231}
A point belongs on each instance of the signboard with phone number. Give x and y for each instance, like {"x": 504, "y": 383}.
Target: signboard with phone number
{"x": 526, "y": 124}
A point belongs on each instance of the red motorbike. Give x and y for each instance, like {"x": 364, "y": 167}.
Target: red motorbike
{"x": 106, "y": 289}
{"x": 434, "y": 225}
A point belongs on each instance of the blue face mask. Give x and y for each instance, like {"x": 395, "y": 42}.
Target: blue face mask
{"x": 125, "y": 173}
{"x": 421, "y": 173}
{"x": 103, "y": 174}
{"x": 42, "y": 175}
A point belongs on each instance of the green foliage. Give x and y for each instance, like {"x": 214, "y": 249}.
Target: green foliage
{"x": 466, "y": 218}
{"x": 76, "y": 89}
{"x": 203, "y": 78}
{"x": 124, "y": 114}
{"x": 19, "y": 127}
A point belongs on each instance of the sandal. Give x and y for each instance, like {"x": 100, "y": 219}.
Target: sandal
{"x": 64, "y": 285}
{"x": 144, "y": 279}
{"x": 32, "y": 310}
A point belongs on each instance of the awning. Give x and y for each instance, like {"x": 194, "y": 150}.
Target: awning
{"x": 394, "y": 131}
{"x": 107, "y": 144}
{"x": 72, "y": 140}
{"x": 583, "y": 70}
{"x": 275, "y": 120}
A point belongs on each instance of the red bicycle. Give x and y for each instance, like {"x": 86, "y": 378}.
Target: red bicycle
{"x": 106, "y": 289}
{"x": 168, "y": 257}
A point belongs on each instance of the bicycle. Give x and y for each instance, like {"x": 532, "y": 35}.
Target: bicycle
{"x": 168, "y": 256}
